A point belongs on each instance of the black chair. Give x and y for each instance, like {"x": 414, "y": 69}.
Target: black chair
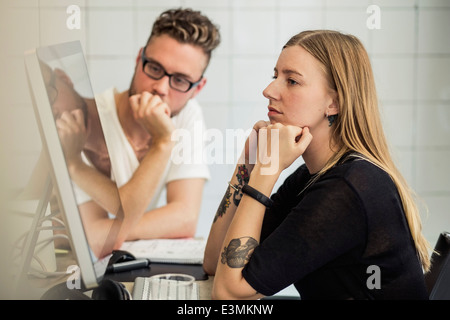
{"x": 437, "y": 279}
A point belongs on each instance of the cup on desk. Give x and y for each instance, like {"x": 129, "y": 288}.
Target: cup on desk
{"x": 172, "y": 286}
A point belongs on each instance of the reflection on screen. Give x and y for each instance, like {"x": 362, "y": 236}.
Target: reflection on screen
{"x": 79, "y": 128}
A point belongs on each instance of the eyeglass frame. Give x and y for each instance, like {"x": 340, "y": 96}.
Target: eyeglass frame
{"x": 146, "y": 60}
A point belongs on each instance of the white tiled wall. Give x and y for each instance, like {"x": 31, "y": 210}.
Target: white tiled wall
{"x": 410, "y": 55}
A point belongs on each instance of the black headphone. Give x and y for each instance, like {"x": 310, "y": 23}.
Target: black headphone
{"x": 106, "y": 290}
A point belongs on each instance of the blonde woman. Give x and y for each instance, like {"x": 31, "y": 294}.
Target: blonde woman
{"x": 344, "y": 225}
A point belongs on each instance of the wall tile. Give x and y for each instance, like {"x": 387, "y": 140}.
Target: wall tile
{"x": 433, "y": 78}
{"x": 110, "y": 72}
{"x": 437, "y": 219}
{"x": 111, "y": 32}
{"x": 394, "y": 3}
{"x": 294, "y": 21}
{"x": 195, "y": 4}
{"x": 218, "y": 83}
{"x": 332, "y": 4}
{"x": 106, "y": 4}
{"x": 239, "y": 4}
{"x": 222, "y": 19}
{"x": 405, "y": 161}
{"x": 159, "y": 4}
{"x": 253, "y": 32}
{"x": 397, "y": 33}
{"x": 350, "y": 20}
{"x": 434, "y": 3}
{"x": 301, "y": 4}
{"x": 433, "y": 31}
{"x": 54, "y": 29}
{"x": 432, "y": 171}
{"x": 433, "y": 125}
{"x": 398, "y": 123}
{"x": 250, "y": 77}
{"x": 394, "y": 78}
{"x": 145, "y": 20}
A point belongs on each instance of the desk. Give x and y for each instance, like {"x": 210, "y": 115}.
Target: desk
{"x": 35, "y": 287}
{"x": 203, "y": 280}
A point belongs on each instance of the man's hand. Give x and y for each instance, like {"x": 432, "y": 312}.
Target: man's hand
{"x": 153, "y": 115}
{"x": 72, "y": 133}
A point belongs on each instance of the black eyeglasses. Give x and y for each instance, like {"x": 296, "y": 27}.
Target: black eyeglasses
{"x": 156, "y": 71}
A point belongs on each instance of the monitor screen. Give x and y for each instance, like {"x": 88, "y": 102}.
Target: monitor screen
{"x": 59, "y": 84}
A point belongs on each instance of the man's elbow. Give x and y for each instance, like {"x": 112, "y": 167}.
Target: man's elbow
{"x": 190, "y": 226}
{"x": 186, "y": 226}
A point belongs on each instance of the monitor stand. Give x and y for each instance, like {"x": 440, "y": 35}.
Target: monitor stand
{"x": 30, "y": 245}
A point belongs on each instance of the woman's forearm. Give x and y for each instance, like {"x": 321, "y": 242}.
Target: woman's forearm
{"x": 224, "y": 216}
{"x": 242, "y": 237}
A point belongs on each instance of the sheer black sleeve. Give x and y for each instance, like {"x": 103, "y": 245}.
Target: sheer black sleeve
{"x": 284, "y": 200}
{"x": 327, "y": 221}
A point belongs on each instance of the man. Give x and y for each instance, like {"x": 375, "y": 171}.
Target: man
{"x": 138, "y": 126}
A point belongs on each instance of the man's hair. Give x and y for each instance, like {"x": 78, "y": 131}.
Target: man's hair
{"x": 187, "y": 26}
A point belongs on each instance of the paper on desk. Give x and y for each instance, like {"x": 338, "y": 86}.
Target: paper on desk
{"x": 180, "y": 251}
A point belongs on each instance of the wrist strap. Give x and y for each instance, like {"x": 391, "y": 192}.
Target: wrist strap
{"x": 258, "y": 196}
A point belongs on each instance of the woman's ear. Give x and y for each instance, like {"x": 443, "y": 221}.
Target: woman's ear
{"x": 333, "y": 108}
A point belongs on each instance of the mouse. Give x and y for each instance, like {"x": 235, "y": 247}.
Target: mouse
{"x": 119, "y": 256}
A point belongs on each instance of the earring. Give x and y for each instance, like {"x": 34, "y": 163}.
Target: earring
{"x": 331, "y": 119}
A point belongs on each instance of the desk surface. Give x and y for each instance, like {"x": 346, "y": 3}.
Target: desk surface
{"x": 39, "y": 286}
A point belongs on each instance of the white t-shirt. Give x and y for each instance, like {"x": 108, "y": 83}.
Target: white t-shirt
{"x": 187, "y": 156}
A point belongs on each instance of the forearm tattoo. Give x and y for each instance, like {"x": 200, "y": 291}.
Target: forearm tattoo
{"x": 238, "y": 252}
{"x": 242, "y": 177}
{"x": 224, "y": 204}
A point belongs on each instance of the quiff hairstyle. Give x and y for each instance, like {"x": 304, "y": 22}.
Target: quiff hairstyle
{"x": 189, "y": 27}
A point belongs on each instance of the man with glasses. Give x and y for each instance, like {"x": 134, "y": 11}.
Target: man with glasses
{"x": 138, "y": 126}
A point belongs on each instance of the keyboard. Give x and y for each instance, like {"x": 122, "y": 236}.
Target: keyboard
{"x": 165, "y": 290}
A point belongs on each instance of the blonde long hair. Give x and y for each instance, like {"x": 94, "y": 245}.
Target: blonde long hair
{"x": 358, "y": 126}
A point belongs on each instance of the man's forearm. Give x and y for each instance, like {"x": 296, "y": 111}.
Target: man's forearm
{"x": 137, "y": 193}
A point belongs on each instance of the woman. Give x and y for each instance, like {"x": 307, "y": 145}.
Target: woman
{"x": 344, "y": 225}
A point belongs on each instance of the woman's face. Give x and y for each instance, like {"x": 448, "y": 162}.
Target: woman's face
{"x": 299, "y": 94}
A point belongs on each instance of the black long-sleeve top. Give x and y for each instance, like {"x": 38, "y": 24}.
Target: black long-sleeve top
{"x": 344, "y": 237}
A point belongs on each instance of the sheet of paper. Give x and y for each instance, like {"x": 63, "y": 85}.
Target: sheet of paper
{"x": 189, "y": 250}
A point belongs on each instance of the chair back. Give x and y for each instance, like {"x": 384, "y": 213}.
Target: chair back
{"x": 437, "y": 279}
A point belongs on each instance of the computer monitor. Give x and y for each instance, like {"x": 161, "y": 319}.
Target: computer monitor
{"x": 43, "y": 64}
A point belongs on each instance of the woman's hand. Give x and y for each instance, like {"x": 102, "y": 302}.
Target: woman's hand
{"x": 249, "y": 154}
{"x": 280, "y": 145}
